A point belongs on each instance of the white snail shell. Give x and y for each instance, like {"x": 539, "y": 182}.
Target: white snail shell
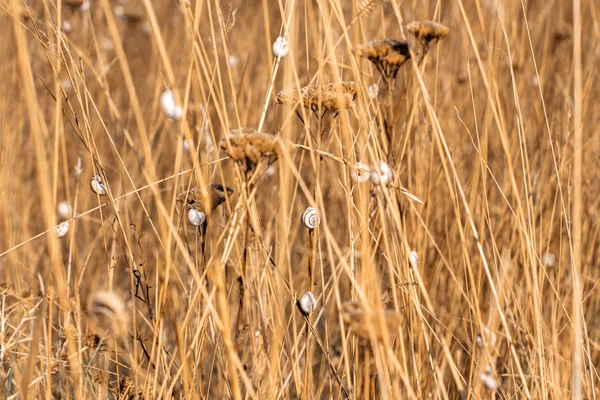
{"x": 488, "y": 380}
{"x": 490, "y": 339}
{"x": 169, "y": 106}
{"x": 185, "y": 146}
{"x": 196, "y": 217}
{"x": 310, "y": 219}
{"x": 62, "y": 229}
{"x": 308, "y": 303}
{"x": 383, "y": 175}
{"x": 373, "y": 91}
{"x": 64, "y": 209}
{"x": 360, "y": 175}
{"x": 97, "y": 185}
{"x": 281, "y": 47}
{"x": 413, "y": 257}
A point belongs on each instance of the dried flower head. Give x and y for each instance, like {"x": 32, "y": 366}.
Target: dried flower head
{"x": 248, "y": 146}
{"x": 388, "y": 55}
{"x": 334, "y": 97}
{"x": 426, "y": 31}
{"x": 366, "y": 322}
{"x": 108, "y": 313}
{"x": 193, "y": 198}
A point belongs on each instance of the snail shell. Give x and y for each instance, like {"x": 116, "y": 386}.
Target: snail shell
{"x": 383, "y": 175}
{"x": 360, "y": 175}
{"x": 97, "y": 185}
{"x": 280, "y": 47}
{"x": 413, "y": 257}
{"x": 196, "y": 217}
{"x": 490, "y": 339}
{"x": 308, "y": 303}
{"x": 62, "y": 229}
{"x": 169, "y": 106}
{"x": 64, "y": 209}
{"x": 310, "y": 219}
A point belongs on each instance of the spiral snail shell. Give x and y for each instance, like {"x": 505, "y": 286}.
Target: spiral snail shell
{"x": 310, "y": 219}
{"x": 97, "y": 185}
{"x": 62, "y": 229}
{"x": 361, "y": 174}
{"x": 196, "y": 217}
{"x": 308, "y": 303}
{"x": 280, "y": 47}
{"x": 383, "y": 175}
{"x": 169, "y": 106}
{"x": 413, "y": 257}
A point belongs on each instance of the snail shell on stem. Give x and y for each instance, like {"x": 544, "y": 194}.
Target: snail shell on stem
{"x": 97, "y": 185}
{"x": 360, "y": 175}
{"x": 62, "y": 229}
{"x": 280, "y": 47}
{"x": 169, "y": 106}
{"x": 310, "y": 219}
{"x": 382, "y": 175}
{"x": 308, "y": 303}
{"x": 196, "y": 217}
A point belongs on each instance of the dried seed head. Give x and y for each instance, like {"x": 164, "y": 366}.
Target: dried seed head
{"x": 366, "y": 322}
{"x": 334, "y": 97}
{"x": 281, "y": 47}
{"x": 388, "y": 55}
{"x": 361, "y": 174}
{"x": 310, "y": 218}
{"x": 193, "y": 197}
{"x": 426, "y": 31}
{"x": 97, "y": 185}
{"x": 248, "y": 146}
{"x": 108, "y": 313}
{"x": 169, "y": 106}
{"x": 62, "y": 229}
{"x": 308, "y": 303}
{"x": 381, "y": 175}
{"x": 196, "y": 217}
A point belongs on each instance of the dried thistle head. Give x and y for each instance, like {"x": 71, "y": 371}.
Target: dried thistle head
{"x": 365, "y": 322}
{"x": 426, "y": 31}
{"x": 124, "y": 388}
{"x": 108, "y": 313}
{"x": 388, "y": 55}
{"x": 334, "y": 97}
{"x": 248, "y": 146}
{"x": 193, "y": 197}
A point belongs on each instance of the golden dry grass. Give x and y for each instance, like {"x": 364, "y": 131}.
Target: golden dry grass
{"x": 472, "y": 274}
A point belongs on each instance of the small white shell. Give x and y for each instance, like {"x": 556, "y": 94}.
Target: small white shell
{"x": 67, "y": 27}
{"x": 383, "y": 175}
{"x": 362, "y": 175}
{"x": 233, "y": 60}
{"x": 310, "y": 219}
{"x": 62, "y": 229}
{"x": 549, "y": 260}
{"x": 64, "y": 209}
{"x": 196, "y": 217}
{"x": 281, "y": 47}
{"x": 308, "y": 303}
{"x": 490, "y": 339}
{"x": 185, "y": 146}
{"x": 488, "y": 380}
{"x": 373, "y": 91}
{"x": 97, "y": 185}
{"x": 169, "y": 107}
{"x": 413, "y": 257}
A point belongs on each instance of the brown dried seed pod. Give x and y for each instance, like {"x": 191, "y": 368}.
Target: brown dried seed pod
{"x": 388, "y": 55}
{"x": 426, "y": 31}
{"x": 248, "y": 146}
{"x": 333, "y": 97}
{"x": 193, "y": 197}
{"x": 365, "y": 322}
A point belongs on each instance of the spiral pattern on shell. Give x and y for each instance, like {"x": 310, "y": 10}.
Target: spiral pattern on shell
{"x": 196, "y": 217}
{"x": 62, "y": 229}
{"x": 97, "y": 185}
{"x": 280, "y": 47}
{"x": 310, "y": 219}
{"x": 308, "y": 303}
{"x": 383, "y": 175}
{"x": 361, "y": 174}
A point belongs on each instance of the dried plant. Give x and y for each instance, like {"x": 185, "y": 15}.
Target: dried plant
{"x": 388, "y": 55}
{"x": 427, "y": 31}
{"x": 365, "y": 322}
{"x": 248, "y": 146}
{"x": 320, "y": 99}
{"x": 193, "y": 198}
{"x": 108, "y": 313}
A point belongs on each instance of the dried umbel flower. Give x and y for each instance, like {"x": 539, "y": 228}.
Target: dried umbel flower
{"x": 490, "y": 339}
{"x": 196, "y": 217}
{"x": 382, "y": 175}
{"x": 388, "y": 55}
{"x": 248, "y": 146}
{"x": 426, "y": 31}
{"x": 97, "y": 185}
{"x": 193, "y": 197}
{"x": 320, "y": 99}
{"x": 361, "y": 174}
{"x": 366, "y": 322}
{"x": 62, "y": 229}
{"x": 308, "y": 303}
{"x": 310, "y": 218}
{"x": 169, "y": 106}
{"x": 281, "y": 47}
{"x": 108, "y": 312}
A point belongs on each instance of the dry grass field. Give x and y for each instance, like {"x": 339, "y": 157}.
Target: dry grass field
{"x": 158, "y": 159}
